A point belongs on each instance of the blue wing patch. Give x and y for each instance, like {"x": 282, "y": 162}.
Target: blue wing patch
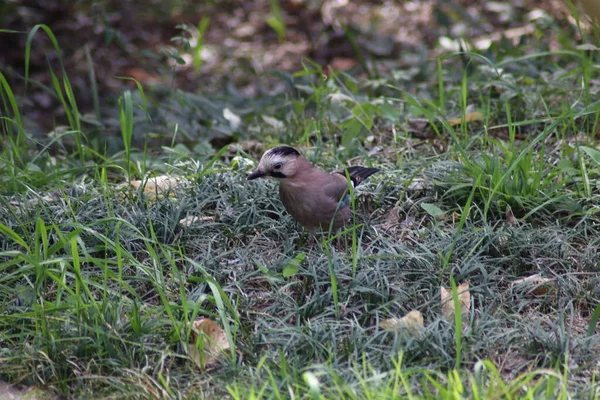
{"x": 345, "y": 201}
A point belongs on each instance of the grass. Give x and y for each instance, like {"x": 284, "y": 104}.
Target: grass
{"x": 99, "y": 282}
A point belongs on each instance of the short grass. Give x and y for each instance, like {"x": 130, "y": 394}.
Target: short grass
{"x": 490, "y": 173}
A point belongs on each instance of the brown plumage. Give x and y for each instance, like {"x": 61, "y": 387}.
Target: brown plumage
{"x": 312, "y": 196}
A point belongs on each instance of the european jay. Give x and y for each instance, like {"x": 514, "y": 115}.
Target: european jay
{"x": 312, "y": 196}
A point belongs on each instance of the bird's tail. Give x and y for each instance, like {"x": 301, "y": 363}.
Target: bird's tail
{"x": 358, "y": 174}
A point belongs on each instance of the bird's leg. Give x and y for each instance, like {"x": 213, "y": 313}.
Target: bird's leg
{"x": 340, "y": 241}
{"x": 311, "y": 238}
{"x": 304, "y": 238}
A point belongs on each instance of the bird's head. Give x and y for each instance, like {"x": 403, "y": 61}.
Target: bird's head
{"x": 279, "y": 162}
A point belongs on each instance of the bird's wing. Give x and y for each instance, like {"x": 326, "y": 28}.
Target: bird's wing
{"x": 358, "y": 174}
{"x": 337, "y": 188}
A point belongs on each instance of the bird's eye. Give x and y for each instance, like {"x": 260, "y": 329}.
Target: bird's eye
{"x": 277, "y": 166}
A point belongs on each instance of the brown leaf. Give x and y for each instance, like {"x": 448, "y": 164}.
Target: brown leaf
{"x": 142, "y": 76}
{"x": 249, "y": 146}
{"x": 535, "y": 285}
{"x": 448, "y": 302}
{"x": 194, "y": 219}
{"x": 510, "y": 217}
{"x": 209, "y": 342}
{"x": 156, "y": 185}
{"x": 419, "y": 127}
{"x": 342, "y": 63}
{"x": 422, "y": 127}
{"x": 391, "y": 219}
{"x": 412, "y": 323}
{"x": 470, "y": 117}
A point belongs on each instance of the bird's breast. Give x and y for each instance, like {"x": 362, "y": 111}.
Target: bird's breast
{"x": 311, "y": 207}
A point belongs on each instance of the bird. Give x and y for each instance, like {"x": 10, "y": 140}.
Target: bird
{"x": 315, "y": 198}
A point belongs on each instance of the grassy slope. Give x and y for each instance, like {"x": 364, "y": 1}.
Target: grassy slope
{"x": 99, "y": 283}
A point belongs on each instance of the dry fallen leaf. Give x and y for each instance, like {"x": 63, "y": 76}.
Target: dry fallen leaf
{"x": 208, "y": 342}
{"x": 484, "y": 42}
{"x": 156, "y": 185}
{"x": 470, "y": 117}
{"x": 342, "y": 63}
{"x": 249, "y": 146}
{"x": 391, "y": 219}
{"x": 193, "y": 219}
{"x": 422, "y": 127}
{"x": 448, "y": 302}
{"x": 142, "y": 76}
{"x": 511, "y": 220}
{"x": 535, "y": 285}
{"x": 412, "y": 323}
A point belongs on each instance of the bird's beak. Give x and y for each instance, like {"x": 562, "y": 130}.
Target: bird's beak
{"x": 257, "y": 173}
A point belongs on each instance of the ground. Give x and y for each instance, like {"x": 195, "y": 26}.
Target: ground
{"x": 133, "y": 249}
